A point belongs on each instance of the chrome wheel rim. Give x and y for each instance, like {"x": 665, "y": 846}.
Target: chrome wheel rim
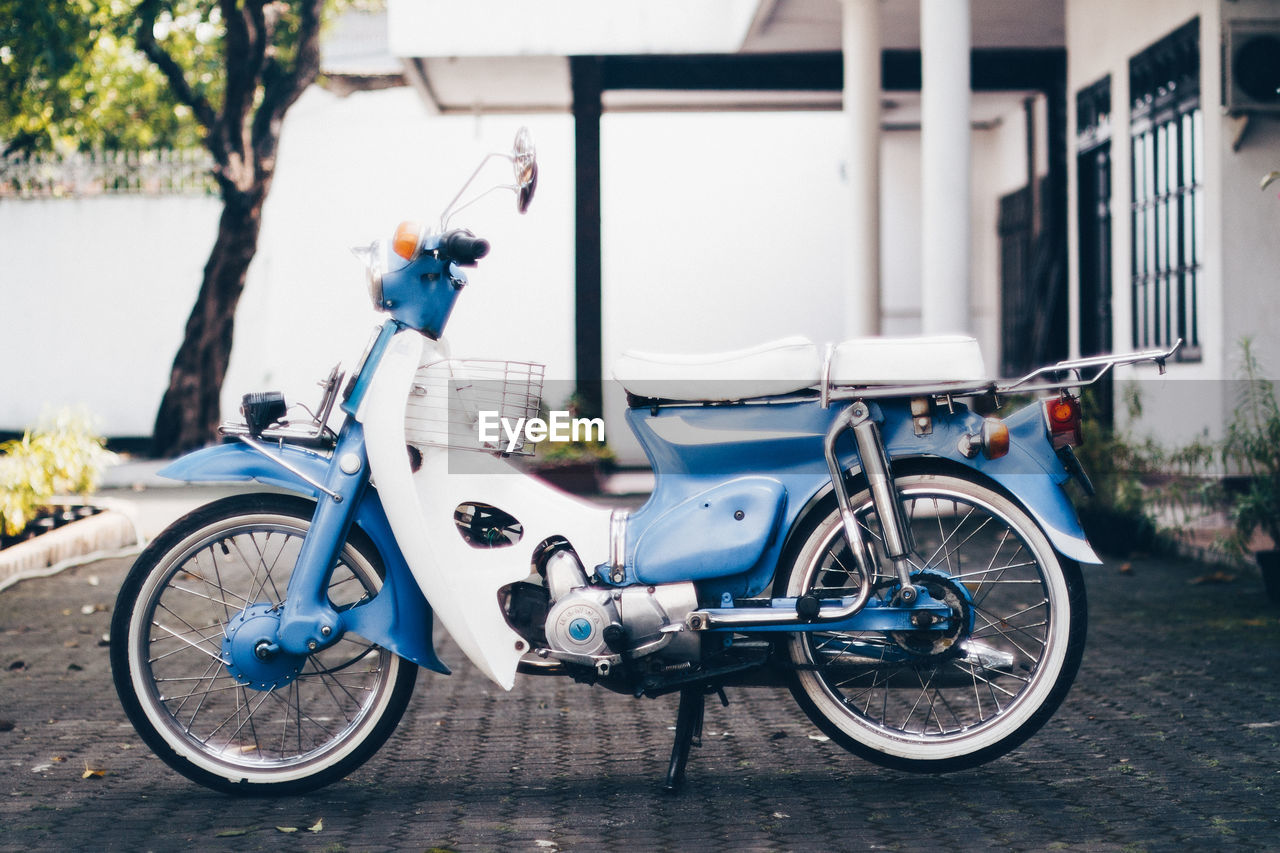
{"x": 886, "y": 694}
{"x": 177, "y": 650}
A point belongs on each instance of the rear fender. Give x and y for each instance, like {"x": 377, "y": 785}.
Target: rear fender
{"x": 398, "y": 618}
{"x": 1030, "y": 474}
{"x": 1033, "y": 475}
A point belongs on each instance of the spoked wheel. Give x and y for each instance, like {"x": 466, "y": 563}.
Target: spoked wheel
{"x": 966, "y": 691}
{"x": 204, "y": 688}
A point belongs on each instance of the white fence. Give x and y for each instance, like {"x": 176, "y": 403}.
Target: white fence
{"x": 163, "y": 172}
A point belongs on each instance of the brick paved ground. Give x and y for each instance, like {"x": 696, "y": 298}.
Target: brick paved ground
{"x": 1168, "y": 742}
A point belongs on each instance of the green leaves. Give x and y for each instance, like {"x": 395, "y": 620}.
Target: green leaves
{"x": 1252, "y": 447}
{"x": 71, "y": 79}
{"x": 62, "y": 456}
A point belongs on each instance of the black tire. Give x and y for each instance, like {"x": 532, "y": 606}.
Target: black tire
{"x": 167, "y": 631}
{"x": 926, "y": 702}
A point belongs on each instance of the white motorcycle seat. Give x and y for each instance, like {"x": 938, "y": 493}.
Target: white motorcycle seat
{"x": 794, "y": 364}
{"x": 899, "y": 361}
{"x": 777, "y": 367}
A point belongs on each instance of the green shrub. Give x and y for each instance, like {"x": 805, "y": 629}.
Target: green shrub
{"x": 61, "y": 456}
{"x": 1252, "y": 448}
{"x": 1143, "y": 490}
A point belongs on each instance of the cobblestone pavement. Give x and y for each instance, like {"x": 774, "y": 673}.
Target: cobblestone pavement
{"x": 1169, "y": 741}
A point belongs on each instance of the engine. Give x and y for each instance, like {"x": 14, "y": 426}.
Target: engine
{"x": 592, "y": 624}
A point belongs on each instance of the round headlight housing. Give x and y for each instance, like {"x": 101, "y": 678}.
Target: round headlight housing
{"x": 375, "y": 265}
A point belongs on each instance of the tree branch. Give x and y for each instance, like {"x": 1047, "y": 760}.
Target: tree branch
{"x": 177, "y": 78}
{"x": 244, "y": 58}
{"x": 281, "y": 86}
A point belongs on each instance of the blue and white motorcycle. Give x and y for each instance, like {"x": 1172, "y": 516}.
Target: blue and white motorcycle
{"x": 838, "y": 518}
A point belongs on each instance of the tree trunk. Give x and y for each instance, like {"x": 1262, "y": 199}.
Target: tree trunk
{"x": 190, "y": 411}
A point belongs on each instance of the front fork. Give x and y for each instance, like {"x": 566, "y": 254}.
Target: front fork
{"x": 898, "y": 543}
{"x": 308, "y": 621}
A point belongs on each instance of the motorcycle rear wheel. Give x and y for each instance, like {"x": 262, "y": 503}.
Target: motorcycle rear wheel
{"x": 940, "y": 701}
{"x": 323, "y": 715}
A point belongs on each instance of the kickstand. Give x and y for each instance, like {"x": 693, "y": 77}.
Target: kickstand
{"x": 689, "y": 729}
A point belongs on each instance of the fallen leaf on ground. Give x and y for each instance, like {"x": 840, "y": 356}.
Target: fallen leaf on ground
{"x": 230, "y": 833}
{"x": 287, "y": 828}
{"x": 1126, "y": 568}
{"x": 319, "y": 825}
{"x": 92, "y": 772}
{"x": 1214, "y": 577}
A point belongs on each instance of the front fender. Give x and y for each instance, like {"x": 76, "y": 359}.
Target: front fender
{"x": 398, "y": 618}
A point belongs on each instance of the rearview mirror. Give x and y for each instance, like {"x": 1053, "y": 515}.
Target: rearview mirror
{"x": 524, "y": 161}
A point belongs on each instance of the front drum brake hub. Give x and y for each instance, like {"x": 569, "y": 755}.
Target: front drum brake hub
{"x": 251, "y": 648}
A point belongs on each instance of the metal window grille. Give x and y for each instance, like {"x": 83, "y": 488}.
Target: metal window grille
{"x": 1167, "y": 201}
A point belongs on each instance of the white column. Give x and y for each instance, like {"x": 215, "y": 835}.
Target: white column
{"x": 862, "y": 117}
{"x": 945, "y": 144}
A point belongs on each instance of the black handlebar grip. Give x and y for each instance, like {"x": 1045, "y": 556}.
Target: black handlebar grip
{"x": 463, "y": 247}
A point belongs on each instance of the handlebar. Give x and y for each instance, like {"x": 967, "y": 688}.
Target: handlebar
{"x": 463, "y": 248}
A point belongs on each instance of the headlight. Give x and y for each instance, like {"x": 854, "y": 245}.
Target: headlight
{"x": 375, "y": 264}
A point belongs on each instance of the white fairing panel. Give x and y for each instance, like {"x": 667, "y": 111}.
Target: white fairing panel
{"x": 460, "y": 581}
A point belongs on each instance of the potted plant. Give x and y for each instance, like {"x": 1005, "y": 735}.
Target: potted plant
{"x": 1252, "y": 448}
{"x": 578, "y": 465}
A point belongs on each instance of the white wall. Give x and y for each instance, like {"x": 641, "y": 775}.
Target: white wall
{"x": 719, "y": 230}
{"x": 97, "y": 290}
{"x": 747, "y": 210}
{"x": 94, "y": 294}
{"x": 350, "y": 170}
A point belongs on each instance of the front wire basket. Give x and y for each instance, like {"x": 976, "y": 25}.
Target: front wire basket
{"x": 449, "y": 398}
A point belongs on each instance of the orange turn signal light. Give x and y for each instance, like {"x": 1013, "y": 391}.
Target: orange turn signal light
{"x": 995, "y": 438}
{"x": 408, "y": 238}
{"x": 992, "y": 440}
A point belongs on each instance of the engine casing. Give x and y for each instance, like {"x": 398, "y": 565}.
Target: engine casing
{"x": 580, "y": 614}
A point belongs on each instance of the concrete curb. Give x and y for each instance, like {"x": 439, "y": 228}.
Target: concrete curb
{"x": 111, "y": 533}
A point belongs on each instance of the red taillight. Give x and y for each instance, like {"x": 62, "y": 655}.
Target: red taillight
{"x": 1062, "y": 414}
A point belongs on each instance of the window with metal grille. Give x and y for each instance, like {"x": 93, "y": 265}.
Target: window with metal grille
{"x": 1166, "y": 134}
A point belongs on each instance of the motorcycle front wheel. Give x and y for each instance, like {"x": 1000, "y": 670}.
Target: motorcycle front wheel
{"x": 290, "y": 725}
{"x": 942, "y": 699}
